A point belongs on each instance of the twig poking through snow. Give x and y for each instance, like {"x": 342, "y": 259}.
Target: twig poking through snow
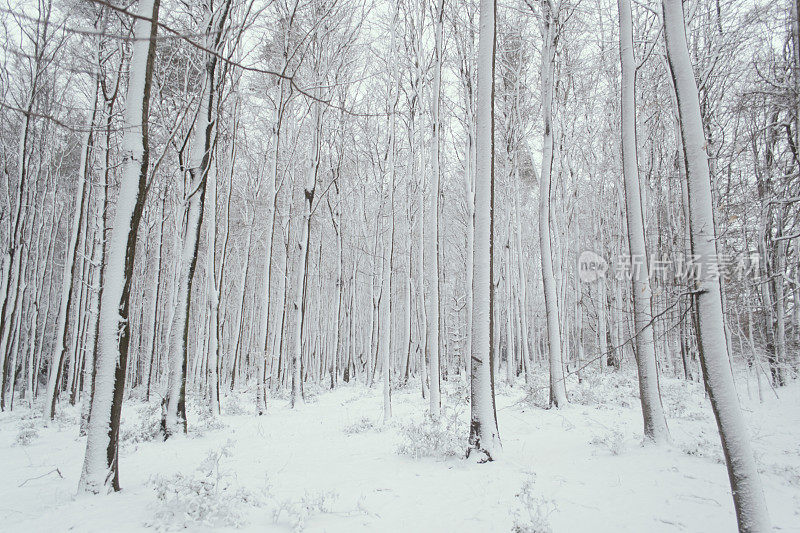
{"x": 56, "y": 470}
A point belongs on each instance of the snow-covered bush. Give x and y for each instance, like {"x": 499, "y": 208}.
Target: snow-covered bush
{"x": 145, "y": 425}
{"x": 298, "y": 511}
{"x": 67, "y": 418}
{"x": 685, "y": 400}
{"x": 532, "y": 513}
{"x": 613, "y": 440}
{"x": 359, "y": 426}
{"x": 610, "y": 389}
{"x": 312, "y": 391}
{"x": 788, "y": 474}
{"x": 28, "y": 432}
{"x": 209, "y": 497}
{"x": 457, "y": 390}
{"x": 702, "y": 445}
{"x": 205, "y": 422}
{"x": 402, "y": 384}
{"x": 232, "y": 406}
{"x": 537, "y": 391}
{"x": 442, "y": 438}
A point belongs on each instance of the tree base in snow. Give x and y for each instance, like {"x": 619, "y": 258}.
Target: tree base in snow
{"x": 480, "y": 454}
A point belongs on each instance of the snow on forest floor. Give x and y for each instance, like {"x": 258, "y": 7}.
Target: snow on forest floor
{"x": 332, "y": 465}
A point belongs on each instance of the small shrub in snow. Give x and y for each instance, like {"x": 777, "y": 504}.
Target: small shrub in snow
{"x": 146, "y": 428}
{"x": 205, "y": 423}
{"x": 613, "y": 440}
{"x": 703, "y": 446}
{"x": 532, "y": 514}
{"x": 610, "y": 389}
{"x": 67, "y": 418}
{"x": 685, "y": 400}
{"x": 28, "y": 432}
{"x": 788, "y": 474}
{"x": 232, "y": 406}
{"x": 537, "y": 391}
{"x": 298, "y": 511}
{"x": 359, "y": 426}
{"x": 398, "y": 385}
{"x": 207, "y": 498}
{"x": 458, "y": 391}
{"x": 311, "y": 391}
{"x": 442, "y": 438}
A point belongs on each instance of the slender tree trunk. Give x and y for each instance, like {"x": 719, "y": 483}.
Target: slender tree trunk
{"x": 101, "y": 469}
{"x": 558, "y": 392}
{"x": 748, "y": 495}
{"x": 484, "y": 438}
{"x": 62, "y": 324}
{"x": 655, "y": 423}
{"x": 303, "y": 246}
{"x": 431, "y": 248}
{"x": 386, "y": 298}
{"x": 263, "y": 332}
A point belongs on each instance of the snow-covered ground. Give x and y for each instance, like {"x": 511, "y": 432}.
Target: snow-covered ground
{"x": 332, "y": 465}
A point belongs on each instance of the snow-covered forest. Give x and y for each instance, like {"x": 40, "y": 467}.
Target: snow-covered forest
{"x": 410, "y": 265}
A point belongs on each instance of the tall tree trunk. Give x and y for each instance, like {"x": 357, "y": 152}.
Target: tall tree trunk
{"x": 431, "y": 251}
{"x": 558, "y": 391}
{"x": 655, "y": 423}
{"x": 748, "y": 495}
{"x": 154, "y": 341}
{"x": 309, "y": 187}
{"x": 263, "y": 331}
{"x": 101, "y": 469}
{"x": 484, "y": 438}
{"x": 386, "y": 298}
{"x": 200, "y": 153}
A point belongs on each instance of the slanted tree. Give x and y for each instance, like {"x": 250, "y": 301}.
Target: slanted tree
{"x": 748, "y": 495}
{"x": 101, "y": 467}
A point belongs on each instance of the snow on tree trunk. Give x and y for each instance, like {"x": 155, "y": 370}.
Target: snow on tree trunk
{"x": 98, "y": 255}
{"x": 655, "y": 423}
{"x": 469, "y": 200}
{"x": 309, "y": 188}
{"x": 431, "y": 251}
{"x": 558, "y": 392}
{"x": 748, "y": 495}
{"x": 602, "y": 322}
{"x": 263, "y": 331}
{"x": 484, "y": 438}
{"x": 68, "y": 275}
{"x": 100, "y": 468}
{"x": 212, "y": 279}
{"x": 200, "y": 153}
{"x": 174, "y": 419}
{"x": 386, "y": 298}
